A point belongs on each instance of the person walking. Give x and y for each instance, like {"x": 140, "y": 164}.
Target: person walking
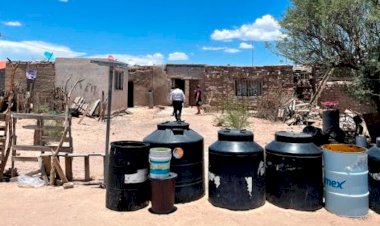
{"x": 177, "y": 98}
{"x": 198, "y": 99}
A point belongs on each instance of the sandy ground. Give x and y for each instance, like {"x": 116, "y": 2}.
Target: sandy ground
{"x": 85, "y": 205}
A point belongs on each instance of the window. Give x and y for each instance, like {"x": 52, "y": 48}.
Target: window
{"x": 249, "y": 88}
{"x": 119, "y": 80}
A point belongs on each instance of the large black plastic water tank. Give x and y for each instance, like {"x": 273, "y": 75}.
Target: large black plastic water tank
{"x": 236, "y": 171}
{"x": 127, "y": 187}
{"x": 187, "y": 160}
{"x": 374, "y": 176}
{"x": 294, "y": 172}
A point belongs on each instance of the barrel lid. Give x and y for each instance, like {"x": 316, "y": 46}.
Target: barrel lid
{"x": 173, "y": 125}
{"x": 292, "y": 137}
{"x": 235, "y": 135}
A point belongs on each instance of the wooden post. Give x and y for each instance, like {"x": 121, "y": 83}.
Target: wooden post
{"x": 69, "y": 167}
{"x": 87, "y": 168}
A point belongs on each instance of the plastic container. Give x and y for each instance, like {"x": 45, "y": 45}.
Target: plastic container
{"x": 294, "y": 172}
{"x": 236, "y": 171}
{"x": 128, "y": 188}
{"x": 346, "y": 179}
{"x": 187, "y": 161}
{"x": 159, "y": 159}
{"x": 374, "y": 176}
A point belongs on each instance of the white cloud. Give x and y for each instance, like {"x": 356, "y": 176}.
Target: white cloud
{"x": 64, "y": 1}
{"x": 220, "y": 48}
{"x": 12, "y": 23}
{"x": 150, "y": 59}
{"x": 178, "y": 56}
{"x": 231, "y": 50}
{"x": 34, "y": 50}
{"x": 245, "y": 45}
{"x": 265, "y": 28}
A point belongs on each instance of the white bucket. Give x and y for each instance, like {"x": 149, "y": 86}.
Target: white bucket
{"x": 159, "y": 159}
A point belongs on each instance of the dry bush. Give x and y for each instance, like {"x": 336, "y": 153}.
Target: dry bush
{"x": 268, "y": 105}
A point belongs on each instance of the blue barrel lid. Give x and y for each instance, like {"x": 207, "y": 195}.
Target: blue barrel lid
{"x": 173, "y": 125}
{"x": 235, "y": 135}
{"x": 293, "y": 137}
{"x": 374, "y": 152}
{"x": 292, "y": 143}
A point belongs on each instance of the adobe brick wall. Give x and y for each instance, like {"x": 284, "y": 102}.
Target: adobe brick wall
{"x": 220, "y": 81}
{"x": 147, "y": 78}
{"x": 43, "y": 85}
{"x": 2, "y": 79}
{"x": 335, "y": 91}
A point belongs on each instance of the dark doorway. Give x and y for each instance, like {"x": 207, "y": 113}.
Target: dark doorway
{"x": 180, "y": 83}
{"x": 130, "y": 94}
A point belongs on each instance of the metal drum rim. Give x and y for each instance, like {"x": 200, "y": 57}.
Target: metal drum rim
{"x": 352, "y": 149}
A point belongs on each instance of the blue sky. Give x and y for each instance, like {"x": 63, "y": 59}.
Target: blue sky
{"x": 143, "y": 32}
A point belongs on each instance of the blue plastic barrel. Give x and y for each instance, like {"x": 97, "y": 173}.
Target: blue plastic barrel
{"x": 346, "y": 179}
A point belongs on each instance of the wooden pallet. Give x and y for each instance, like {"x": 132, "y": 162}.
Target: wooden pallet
{"x": 44, "y": 137}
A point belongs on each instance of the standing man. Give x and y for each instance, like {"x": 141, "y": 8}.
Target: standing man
{"x": 198, "y": 99}
{"x": 177, "y": 97}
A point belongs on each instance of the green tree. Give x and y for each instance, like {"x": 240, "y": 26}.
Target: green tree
{"x": 343, "y": 35}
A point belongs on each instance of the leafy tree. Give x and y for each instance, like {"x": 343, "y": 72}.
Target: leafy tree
{"x": 343, "y": 35}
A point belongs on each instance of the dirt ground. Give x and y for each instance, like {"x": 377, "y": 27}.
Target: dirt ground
{"x": 85, "y": 205}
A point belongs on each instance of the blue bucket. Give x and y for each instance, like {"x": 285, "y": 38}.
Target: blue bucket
{"x": 159, "y": 159}
{"x": 346, "y": 179}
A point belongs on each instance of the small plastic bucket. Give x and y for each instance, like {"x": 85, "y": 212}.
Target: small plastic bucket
{"x": 159, "y": 159}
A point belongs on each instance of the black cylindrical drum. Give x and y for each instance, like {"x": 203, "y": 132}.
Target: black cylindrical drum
{"x": 374, "y": 176}
{"x": 330, "y": 119}
{"x": 128, "y": 188}
{"x": 294, "y": 172}
{"x": 187, "y": 160}
{"x": 236, "y": 171}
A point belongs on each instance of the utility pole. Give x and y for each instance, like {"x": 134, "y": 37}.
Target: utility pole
{"x": 112, "y": 64}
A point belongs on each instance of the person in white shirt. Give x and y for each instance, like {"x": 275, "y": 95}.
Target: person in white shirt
{"x": 177, "y": 97}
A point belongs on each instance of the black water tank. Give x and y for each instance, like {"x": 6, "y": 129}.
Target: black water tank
{"x": 127, "y": 187}
{"x": 374, "y": 176}
{"x": 330, "y": 120}
{"x": 236, "y": 171}
{"x": 294, "y": 172}
{"x": 187, "y": 160}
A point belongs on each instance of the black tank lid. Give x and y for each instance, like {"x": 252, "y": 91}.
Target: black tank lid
{"x": 235, "y": 135}
{"x": 173, "y": 125}
{"x": 292, "y": 137}
{"x": 378, "y": 142}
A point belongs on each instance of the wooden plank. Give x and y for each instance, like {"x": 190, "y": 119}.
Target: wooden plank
{"x": 24, "y": 159}
{"x": 39, "y": 148}
{"x": 42, "y": 168}
{"x": 93, "y": 107}
{"x": 38, "y": 116}
{"x": 87, "y": 168}
{"x": 44, "y": 128}
{"x": 59, "y": 170}
{"x": 54, "y": 139}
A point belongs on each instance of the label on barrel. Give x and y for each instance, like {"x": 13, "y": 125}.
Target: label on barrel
{"x": 135, "y": 178}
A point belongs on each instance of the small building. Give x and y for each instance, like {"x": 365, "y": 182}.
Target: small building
{"x": 95, "y": 80}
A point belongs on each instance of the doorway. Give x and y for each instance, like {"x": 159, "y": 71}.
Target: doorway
{"x": 180, "y": 83}
{"x": 130, "y": 94}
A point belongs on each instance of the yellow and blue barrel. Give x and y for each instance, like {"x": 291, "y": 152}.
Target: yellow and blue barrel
{"x": 346, "y": 179}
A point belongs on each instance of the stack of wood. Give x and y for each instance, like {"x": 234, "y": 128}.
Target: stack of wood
{"x": 296, "y": 112}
